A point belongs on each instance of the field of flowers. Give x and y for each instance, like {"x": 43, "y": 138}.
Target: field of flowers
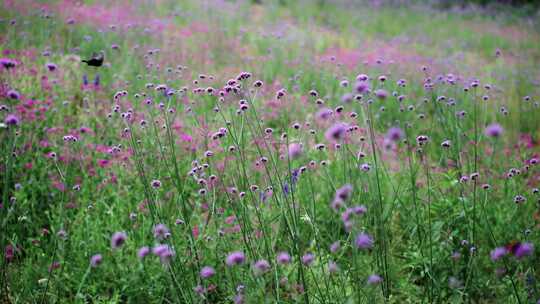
{"x": 212, "y": 151}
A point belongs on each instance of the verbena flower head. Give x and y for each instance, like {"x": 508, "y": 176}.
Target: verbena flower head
{"x": 13, "y": 94}
{"x": 283, "y": 258}
{"x": 261, "y": 266}
{"x": 308, "y": 258}
{"x": 235, "y": 258}
{"x": 164, "y": 252}
{"x": 118, "y": 239}
{"x": 497, "y": 253}
{"x": 207, "y": 272}
{"x": 344, "y": 193}
{"x": 363, "y": 241}
{"x": 96, "y": 260}
{"x": 394, "y": 134}
{"x": 374, "y": 279}
{"x": 143, "y": 252}
{"x": 523, "y": 250}
{"x": 161, "y": 232}
{"x": 12, "y": 120}
{"x": 336, "y": 132}
{"x": 295, "y": 150}
{"x": 494, "y": 130}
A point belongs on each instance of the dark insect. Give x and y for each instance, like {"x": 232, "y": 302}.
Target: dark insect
{"x": 96, "y": 60}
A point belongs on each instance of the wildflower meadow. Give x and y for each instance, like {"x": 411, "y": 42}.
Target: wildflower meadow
{"x": 274, "y": 151}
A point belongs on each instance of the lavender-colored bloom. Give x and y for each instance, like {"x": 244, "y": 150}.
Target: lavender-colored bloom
{"x": 261, "y": 266}
{"x": 332, "y": 267}
{"x": 207, "y": 272}
{"x": 347, "y": 98}
{"x": 11, "y": 120}
{"x": 381, "y": 94}
{"x": 363, "y": 241}
{"x": 143, "y": 252}
{"x": 336, "y": 132}
{"x": 494, "y": 130}
{"x": 235, "y": 258}
{"x": 324, "y": 114}
{"x": 118, "y": 239}
{"x": 308, "y": 258}
{"x": 295, "y": 150}
{"x": 156, "y": 184}
{"x": 96, "y": 260}
{"x": 523, "y": 250}
{"x": 8, "y": 63}
{"x": 85, "y": 80}
{"x": 335, "y": 246}
{"x": 362, "y": 87}
{"x": 51, "y": 66}
{"x": 283, "y": 258}
{"x": 498, "y": 253}
{"x": 394, "y": 134}
{"x": 164, "y": 252}
{"x": 13, "y": 94}
{"x": 344, "y": 193}
{"x": 161, "y": 232}
{"x": 374, "y": 279}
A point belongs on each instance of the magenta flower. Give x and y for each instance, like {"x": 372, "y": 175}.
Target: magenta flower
{"x": 498, "y": 253}
{"x": 11, "y": 120}
{"x": 118, "y": 239}
{"x": 374, "y": 279}
{"x": 494, "y": 130}
{"x": 363, "y": 241}
{"x": 207, "y": 272}
{"x": 283, "y": 258}
{"x": 164, "y": 252}
{"x": 523, "y": 250}
{"x": 235, "y": 258}
{"x": 143, "y": 252}
{"x": 261, "y": 266}
{"x": 295, "y": 150}
{"x": 96, "y": 260}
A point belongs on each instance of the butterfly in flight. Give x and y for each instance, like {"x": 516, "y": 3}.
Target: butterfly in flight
{"x": 96, "y": 60}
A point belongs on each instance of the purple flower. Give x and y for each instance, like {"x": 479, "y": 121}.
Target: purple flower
{"x": 493, "y": 130}
{"x": 13, "y": 94}
{"x": 164, "y": 252}
{"x": 363, "y": 241}
{"x": 335, "y": 246}
{"x": 524, "y": 249}
{"x": 332, "y": 267}
{"x": 207, "y": 272}
{"x": 118, "y": 239}
{"x": 362, "y": 87}
{"x": 295, "y": 150}
{"x": 283, "y": 258}
{"x": 381, "y": 94}
{"x": 261, "y": 266}
{"x": 161, "y": 232}
{"x": 143, "y": 252}
{"x": 156, "y": 184}
{"x": 344, "y": 193}
{"x": 235, "y": 258}
{"x": 11, "y": 120}
{"x": 96, "y": 260}
{"x": 336, "y": 132}
{"x": 394, "y": 134}
{"x": 51, "y": 66}
{"x": 498, "y": 253}
{"x": 8, "y": 63}
{"x": 374, "y": 279}
{"x": 308, "y": 259}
